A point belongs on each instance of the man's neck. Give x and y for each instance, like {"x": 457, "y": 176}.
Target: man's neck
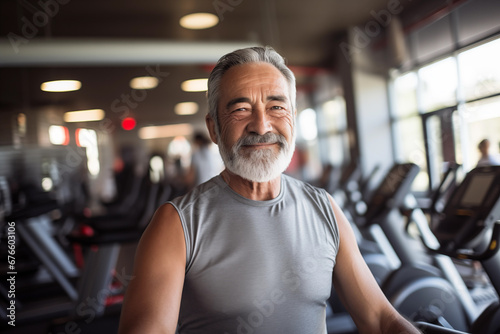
{"x": 257, "y": 191}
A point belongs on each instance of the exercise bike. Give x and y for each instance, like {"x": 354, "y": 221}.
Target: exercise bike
{"x": 469, "y": 228}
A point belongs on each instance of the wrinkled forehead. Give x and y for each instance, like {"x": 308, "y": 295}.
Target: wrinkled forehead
{"x": 243, "y": 78}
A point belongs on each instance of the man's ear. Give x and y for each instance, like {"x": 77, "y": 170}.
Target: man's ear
{"x": 211, "y": 128}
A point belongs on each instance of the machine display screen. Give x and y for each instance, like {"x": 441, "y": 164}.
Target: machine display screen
{"x": 478, "y": 187}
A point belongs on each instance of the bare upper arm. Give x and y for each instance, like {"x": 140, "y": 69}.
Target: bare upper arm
{"x": 153, "y": 296}
{"x": 354, "y": 283}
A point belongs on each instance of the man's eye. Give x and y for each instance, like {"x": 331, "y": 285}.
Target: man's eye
{"x": 240, "y": 111}
{"x": 279, "y": 109}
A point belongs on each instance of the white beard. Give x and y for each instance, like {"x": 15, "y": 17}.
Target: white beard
{"x": 260, "y": 165}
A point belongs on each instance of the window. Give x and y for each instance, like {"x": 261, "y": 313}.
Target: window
{"x": 307, "y": 125}
{"x": 58, "y": 135}
{"x": 441, "y": 111}
{"x": 407, "y": 127}
{"x": 333, "y": 138}
{"x": 334, "y": 114}
{"x": 436, "y": 136}
{"x": 405, "y": 95}
{"x": 438, "y": 84}
{"x": 480, "y": 78}
{"x": 305, "y": 163}
{"x": 480, "y": 120}
{"x": 411, "y": 148}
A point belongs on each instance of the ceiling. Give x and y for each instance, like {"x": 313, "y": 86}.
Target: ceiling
{"x": 104, "y": 44}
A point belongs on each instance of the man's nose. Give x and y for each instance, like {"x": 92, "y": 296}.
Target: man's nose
{"x": 260, "y": 122}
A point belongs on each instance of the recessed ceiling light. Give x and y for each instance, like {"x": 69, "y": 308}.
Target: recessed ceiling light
{"x": 165, "y": 131}
{"x": 186, "y": 108}
{"x": 144, "y": 83}
{"x": 84, "y": 115}
{"x": 61, "y": 86}
{"x": 199, "y": 21}
{"x": 195, "y": 85}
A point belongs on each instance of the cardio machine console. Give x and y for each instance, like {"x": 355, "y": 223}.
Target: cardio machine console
{"x": 472, "y": 210}
{"x": 391, "y": 192}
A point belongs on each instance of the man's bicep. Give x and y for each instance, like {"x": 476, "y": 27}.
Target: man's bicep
{"x": 353, "y": 281}
{"x": 153, "y": 296}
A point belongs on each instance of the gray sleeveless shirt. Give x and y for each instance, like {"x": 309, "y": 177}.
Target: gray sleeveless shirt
{"x": 256, "y": 266}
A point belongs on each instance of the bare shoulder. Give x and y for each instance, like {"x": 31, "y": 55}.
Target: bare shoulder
{"x": 153, "y": 297}
{"x": 164, "y": 219}
{"x": 341, "y": 219}
{"x": 163, "y": 238}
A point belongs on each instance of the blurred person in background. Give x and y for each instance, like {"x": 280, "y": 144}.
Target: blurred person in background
{"x": 486, "y": 158}
{"x": 205, "y": 163}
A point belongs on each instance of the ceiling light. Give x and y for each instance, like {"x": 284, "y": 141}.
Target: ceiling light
{"x": 61, "y": 86}
{"x": 84, "y": 115}
{"x": 195, "y": 85}
{"x": 186, "y": 108}
{"x": 144, "y": 83}
{"x": 165, "y": 131}
{"x": 199, "y": 21}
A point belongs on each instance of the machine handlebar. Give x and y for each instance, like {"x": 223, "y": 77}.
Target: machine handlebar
{"x": 428, "y": 328}
{"x": 489, "y": 252}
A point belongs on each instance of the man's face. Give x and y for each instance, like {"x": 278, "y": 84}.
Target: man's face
{"x": 256, "y": 121}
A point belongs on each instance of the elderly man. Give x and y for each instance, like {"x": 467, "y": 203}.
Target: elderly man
{"x": 252, "y": 250}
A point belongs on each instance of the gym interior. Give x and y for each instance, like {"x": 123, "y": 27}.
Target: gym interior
{"x": 398, "y": 119}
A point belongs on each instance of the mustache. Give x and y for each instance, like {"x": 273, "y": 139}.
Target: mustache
{"x": 267, "y": 138}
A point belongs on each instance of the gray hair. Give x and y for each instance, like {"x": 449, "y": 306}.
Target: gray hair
{"x": 245, "y": 56}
